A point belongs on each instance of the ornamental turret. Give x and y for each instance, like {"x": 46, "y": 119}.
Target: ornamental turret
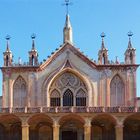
{"x": 33, "y": 55}
{"x": 8, "y": 57}
{"x": 130, "y": 53}
{"x": 103, "y": 53}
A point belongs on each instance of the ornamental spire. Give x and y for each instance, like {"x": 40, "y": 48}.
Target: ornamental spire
{"x": 67, "y": 31}
{"x": 103, "y": 52}
{"x": 130, "y": 54}
{"x": 7, "y": 44}
{"x": 8, "y": 57}
{"x": 33, "y": 36}
{"x": 103, "y": 36}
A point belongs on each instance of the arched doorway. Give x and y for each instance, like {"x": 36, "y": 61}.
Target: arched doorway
{"x": 71, "y": 128}
{"x": 40, "y": 127}
{"x": 103, "y": 128}
{"x": 132, "y": 128}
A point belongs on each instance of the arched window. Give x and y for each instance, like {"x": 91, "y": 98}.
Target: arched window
{"x": 19, "y": 92}
{"x": 81, "y": 98}
{"x": 32, "y": 59}
{"x": 55, "y": 98}
{"x": 7, "y": 60}
{"x": 68, "y": 98}
{"x": 67, "y": 84}
{"x": 103, "y": 58}
{"x": 131, "y": 57}
{"x": 117, "y": 91}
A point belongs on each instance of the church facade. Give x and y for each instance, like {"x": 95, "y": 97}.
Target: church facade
{"x": 69, "y": 96}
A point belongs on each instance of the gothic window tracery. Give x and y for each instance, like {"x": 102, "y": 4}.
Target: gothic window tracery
{"x": 81, "y": 98}
{"x": 55, "y": 98}
{"x": 68, "y": 98}
{"x": 67, "y": 85}
{"x": 117, "y": 91}
{"x": 19, "y": 92}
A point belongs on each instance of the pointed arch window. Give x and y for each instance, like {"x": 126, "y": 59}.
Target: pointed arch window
{"x": 131, "y": 57}
{"x": 103, "y": 58}
{"x": 81, "y": 98}
{"x": 19, "y": 92}
{"x": 55, "y": 98}
{"x": 117, "y": 91}
{"x": 70, "y": 86}
{"x": 68, "y": 98}
{"x": 7, "y": 60}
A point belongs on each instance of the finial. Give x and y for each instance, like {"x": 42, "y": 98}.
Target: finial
{"x": 19, "y": 61}
{"x": 7, "y": 38}
{"x": 67, "y": 3}
{"x": 130, "y": 34}
{"x": 103, "y": 36}
{"x": 33, "y": 36}
{"x": 117, "y": 62}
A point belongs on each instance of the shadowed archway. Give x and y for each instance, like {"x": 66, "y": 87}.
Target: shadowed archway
{"x": 103, "y": 127}
{"x": 40, "y": 127}
{"x": 132, "y": 127}
{"x": 71, "y": 128}
{"x": 10, "y": 128}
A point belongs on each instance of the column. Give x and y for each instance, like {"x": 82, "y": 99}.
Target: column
{"x": 56, "y": 131}
{"x": 25, "y": 132}
{"x": 87, "y": 130}
{"x": 119, "y": 132}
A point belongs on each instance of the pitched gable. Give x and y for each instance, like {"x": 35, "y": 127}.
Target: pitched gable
{"x": 63, "y": 48}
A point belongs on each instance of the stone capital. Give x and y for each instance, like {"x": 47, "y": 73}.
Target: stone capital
{"x": 119, "y": 126}
{"x": 87, "y": 122}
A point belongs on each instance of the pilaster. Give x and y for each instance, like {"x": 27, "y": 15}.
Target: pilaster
{"x": 108, "y": 92}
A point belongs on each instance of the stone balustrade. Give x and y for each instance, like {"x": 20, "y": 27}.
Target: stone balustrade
{"x": 70, "y": 110}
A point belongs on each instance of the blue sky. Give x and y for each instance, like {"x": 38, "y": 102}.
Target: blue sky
{"x": 89, "y": 18}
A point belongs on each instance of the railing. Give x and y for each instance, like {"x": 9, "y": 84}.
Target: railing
{"x": 70, "y": 110}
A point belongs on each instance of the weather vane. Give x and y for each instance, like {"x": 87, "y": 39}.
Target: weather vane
{"x": 67, "y": 3}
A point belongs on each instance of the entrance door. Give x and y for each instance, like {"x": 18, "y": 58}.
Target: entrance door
{"x": 69, "y": 135}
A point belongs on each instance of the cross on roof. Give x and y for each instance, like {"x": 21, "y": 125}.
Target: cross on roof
{"x": 67, "y": 3}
